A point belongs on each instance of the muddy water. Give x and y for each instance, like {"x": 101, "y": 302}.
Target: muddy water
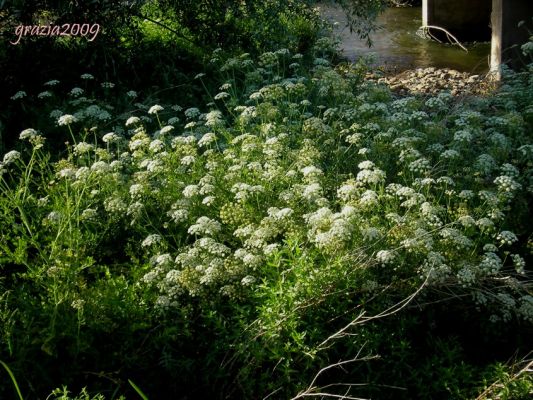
{"x": 396, "y": 45}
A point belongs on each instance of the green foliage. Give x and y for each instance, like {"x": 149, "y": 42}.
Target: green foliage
{"x": 509, "y": 382}
{"x": 64, "y": 394}
{"x": 13, "y": 379}
{"x": 139, "y": 391}
{"x": 300, "y": 220}
{"x": 362, "y": 15}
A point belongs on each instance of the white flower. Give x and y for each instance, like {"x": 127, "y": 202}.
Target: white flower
{"x": 466, "y": 276}
{"x": 366, "y": 165}
{"x": 83, "y": 173}
{"x": 131, "y": 93}
{"x": 156, "y": 146}
{"x": 527, "y": 48}
{"x": 88, "y": 214}
{"x": 107, "y": 85}
{"x": 67, "y": 173}
{"x": 183, "y": 140}
{"x": 136, "y": 190}
{"x": 110, "y": 137}
{"x": 66, "y": 119}
{"x": 385, "y": 256}
{"x": 207, "y": 139}
{"x": 248, "y": 280}
{"x": 519, "y": 263}
{"x": 132, "y": 120}
{"x": 256, "y": 96}
{"x": 11, "y": 157}
{"x": 347, "y": 192}
{"x": 155, "y": 109}
{"x": 278, "y": 214}
{"x": 214, "y": 118}
{"x": 205, "y": 226}
{"x": 77, "y": 91}
{"x": 114, "y": 205}
{"x": 312, "y": 192}
{"x": 53, "y": 217}
{"x": 507, "y": 184}
{"x": 208, "y": 200}
{"x": 367, "y": 176}
{"x": 100, "y": 167}
{"x": 368, "y": 199}
{"x": 187, "y": 160}
{"x": 311, "y": 171}
{"x": 179, "y": 215}
{"x": 485, "y": 223}
{"x": 490, "y": 263}
{"x": 462, "y": 136}
{"x": 53, "y": 82}
{"x": 166, "y": 129}
{"x": 190, "y": 190}
{"x": 151, "y": 240}
{"x": 82, "y": 148}
{"x": 192, "y": 112}
{"x": 86, "y": 76}
{"x": 490, "y": 248}
{"x": 44, "y": 95}
{"x": 19, "y": 95}
{"x": 526, "y": 302}
{"x": 467, "y": 221}
{"x": 450, "y": 154}
{"x": 370, "y": 233}
{"x": 221, "y": 95}
{"x": 506, "y": 238}
{"x": 466, "y": 194}
{"x": 27, "y": 134}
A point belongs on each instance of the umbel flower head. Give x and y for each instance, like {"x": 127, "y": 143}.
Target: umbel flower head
{"x": 11, "y": 157}
{"x": 27, "y": 134}
{"x": 155, "y": 109}
{"x": 66, "y": 119}
{"x": 132, "y": 121}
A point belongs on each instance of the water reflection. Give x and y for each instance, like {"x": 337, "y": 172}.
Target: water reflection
{"x": 396, "y": 44}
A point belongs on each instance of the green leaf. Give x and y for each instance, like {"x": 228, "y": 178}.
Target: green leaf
{"x": 139, "y": 391}
{"x": 12, "y": 378}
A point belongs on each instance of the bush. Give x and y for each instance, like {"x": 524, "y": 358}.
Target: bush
{"x": 300, "y": 219}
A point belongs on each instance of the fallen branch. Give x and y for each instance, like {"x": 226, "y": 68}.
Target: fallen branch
{"x": 313, "y": 391}
{"x": 426, "y": 32}
{"x": 360, "y": 319}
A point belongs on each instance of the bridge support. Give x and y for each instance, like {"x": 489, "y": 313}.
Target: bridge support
{"x": 483, "y": 20}
{"x": 506, "y": 35}
{"x": 468, "y": 20}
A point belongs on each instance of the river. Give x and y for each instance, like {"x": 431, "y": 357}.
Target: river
{"x": 397, "y": 47}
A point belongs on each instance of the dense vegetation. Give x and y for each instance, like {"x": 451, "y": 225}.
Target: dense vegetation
{"x": 248, "y": 221}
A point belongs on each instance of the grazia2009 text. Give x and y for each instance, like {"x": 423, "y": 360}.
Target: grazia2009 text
{"x": 87, "y": 30}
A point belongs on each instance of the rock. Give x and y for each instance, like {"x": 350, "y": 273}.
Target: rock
{"x": 431, "y": 80}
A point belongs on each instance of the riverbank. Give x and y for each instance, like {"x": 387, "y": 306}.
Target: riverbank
{"x": 433, "y": 80}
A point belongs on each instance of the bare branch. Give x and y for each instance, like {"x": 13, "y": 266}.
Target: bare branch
{"x": 425, "y": 29}
{"x": 360, "y": 319}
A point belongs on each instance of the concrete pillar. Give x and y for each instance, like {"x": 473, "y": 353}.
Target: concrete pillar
{"x": 468, "y": 20}
{"x": 506, "y": 35}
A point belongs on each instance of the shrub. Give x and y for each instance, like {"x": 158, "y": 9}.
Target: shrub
{"x": 299, "y": 220}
